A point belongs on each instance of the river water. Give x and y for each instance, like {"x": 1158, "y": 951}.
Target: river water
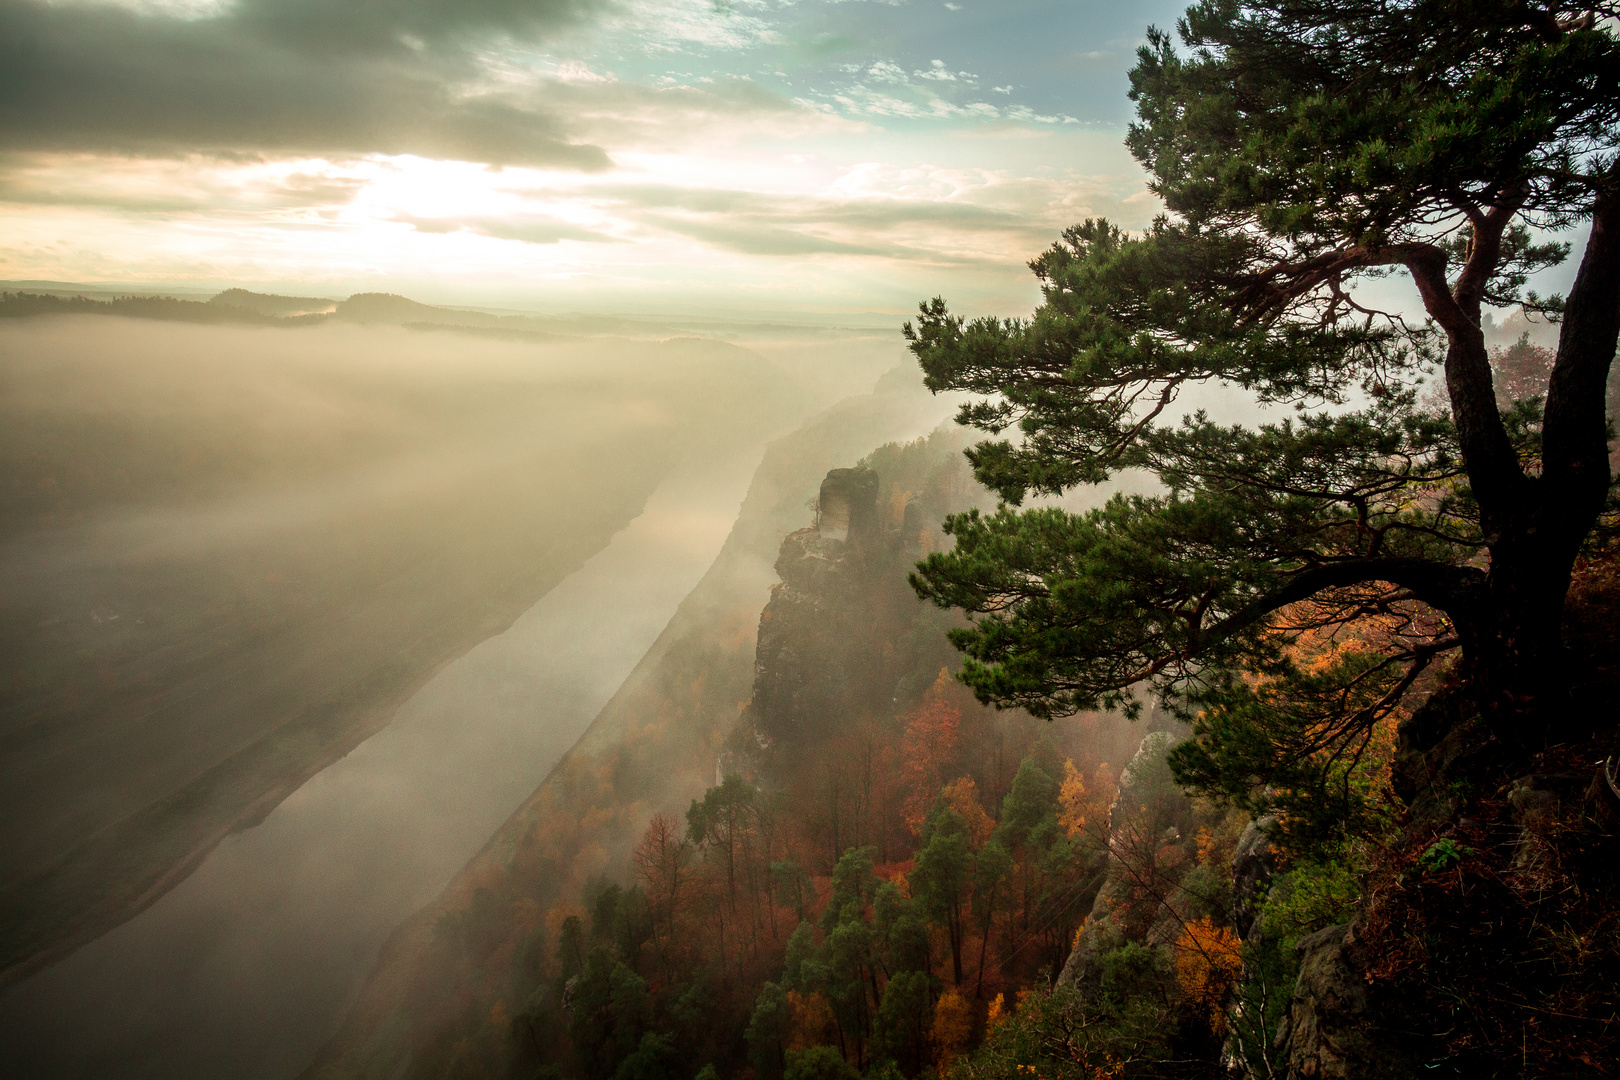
{"x": 247, "y": 967}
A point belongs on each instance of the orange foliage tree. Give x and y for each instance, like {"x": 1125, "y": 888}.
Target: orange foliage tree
{"x": 1208, "y": 960}
{"x": 962, "y": 796}
{"x": 928, "y": 750}
{"x": 662, "y": 863}
{"x": 1082, "y": 806}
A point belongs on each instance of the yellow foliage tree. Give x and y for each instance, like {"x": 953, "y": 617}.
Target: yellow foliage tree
{"x": 953, "y": 1028}
{"x": 997, "y": 1012}
{"x": 810, "y": 1020}
{"x": 1081, "y": 804}
{"x": 1072, "y": 805}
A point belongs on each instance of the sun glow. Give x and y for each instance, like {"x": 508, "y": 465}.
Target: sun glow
{"x": 814, "y": 218}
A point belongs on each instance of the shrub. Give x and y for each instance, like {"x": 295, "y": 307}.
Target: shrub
{"x": 818, "y": 1063}
{"x": 1312, "y": 896}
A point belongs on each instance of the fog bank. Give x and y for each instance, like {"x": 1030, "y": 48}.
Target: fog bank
{"x": 228, "y": 554}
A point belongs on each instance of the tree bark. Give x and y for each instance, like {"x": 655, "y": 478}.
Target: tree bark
{"x": 1575, "y": 450}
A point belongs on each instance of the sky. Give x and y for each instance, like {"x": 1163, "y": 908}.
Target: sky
{"x": 627, "y": 155}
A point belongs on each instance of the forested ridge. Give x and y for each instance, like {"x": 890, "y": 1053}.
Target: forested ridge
{"x": 264, "y": 309}
{"x": 888, "y": 879}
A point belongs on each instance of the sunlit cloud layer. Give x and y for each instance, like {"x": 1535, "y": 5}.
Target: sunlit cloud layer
{"x": 563, "y": 152}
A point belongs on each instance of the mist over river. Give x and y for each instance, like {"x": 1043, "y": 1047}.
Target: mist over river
{"x": 244, "y": 968}
{"x": 293, "y": 620}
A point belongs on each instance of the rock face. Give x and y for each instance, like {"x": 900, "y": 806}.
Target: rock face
{"x": 1455, "y": 970}
{"x": 1338, "y": 1025}
{"x": 1439, "y": 748}
{"x": 1537, "y": 803}
{"x": 1331, "y": 1031}
{"x": 1341, "y": 1023}
{"x": 811, "y": 661}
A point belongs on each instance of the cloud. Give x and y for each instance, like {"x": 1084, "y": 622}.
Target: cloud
{"x": 756, "y": 238}
{"x": 291, "y": 78}
{"x": 937, "y": 71}
{"x": 280, "y": 77}
{"x": 271, "y": 139}
{"x": 883, "y": 89}
{"x": 684, "y": 26}
{"x": 187, "y": 184}
{"x": 527, "y": 230}
{"x": 758, "y": 223}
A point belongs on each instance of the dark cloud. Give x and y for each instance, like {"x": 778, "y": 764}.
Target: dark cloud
{"x": 280, "y": 76}
{"x": 359, "y": 25}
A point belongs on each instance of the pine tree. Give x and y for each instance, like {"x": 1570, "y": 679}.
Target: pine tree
{"x": 1301, "y": 147}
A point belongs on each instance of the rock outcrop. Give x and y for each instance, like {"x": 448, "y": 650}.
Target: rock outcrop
{"x": 1254, "y": 864}
{"x": 446, "y": 999}
{"x": 1152, "y": 825}
{"x": 810, "y": 661}
{"x": 847, "y": 506}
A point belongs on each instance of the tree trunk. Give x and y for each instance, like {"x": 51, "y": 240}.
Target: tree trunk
{"x": 954, "y": 927}
{"x": 1534, "y": 525}
{"x": 1513, "y": 653}
{"x": 984, "y": 947}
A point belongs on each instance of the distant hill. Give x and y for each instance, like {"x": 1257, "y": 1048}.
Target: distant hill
{"x": 237, "y": 305}
{"x": 275, "y": 306}
{"x": 392, "y": 308}
{"x": 242, "y": 306}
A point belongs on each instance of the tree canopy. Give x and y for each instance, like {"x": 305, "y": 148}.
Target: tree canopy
{"x": 1302, "y": 147}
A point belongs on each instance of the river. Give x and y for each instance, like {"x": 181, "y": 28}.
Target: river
{"x": 245, "y": 968}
